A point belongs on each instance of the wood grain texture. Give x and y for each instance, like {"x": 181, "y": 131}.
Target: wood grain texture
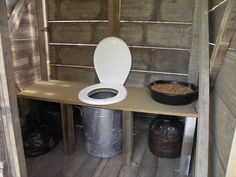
{"x": 138, "y": 99}
{"x": 151, "y": 10}
{"x": 84, "y": 33}
{"x": 114, "y": 17}
{"x": 142, "y": 59}
{"x": 16, "y": 16}
{"x": 164, "y": 35}
{"x": 214, "y": 24}
{"x": 41, "y": 40}
{"x": 82, "y": 164}
{"x": 77, "y": 10}
{"x": 202, "y": 147}
{"x": 135, "y": 79}
{"x": 226, "y": 81}
{"x": 8, "y": 104}
{"x": 193, "y": 68}
{"x": 233, "y": 42}
{"x": 127, "y": 122}
{"x": 226, "y": 31}
{"x": 68, "y": 128}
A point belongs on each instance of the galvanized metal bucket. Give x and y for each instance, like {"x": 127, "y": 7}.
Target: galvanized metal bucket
{"x": 102, "y": 131}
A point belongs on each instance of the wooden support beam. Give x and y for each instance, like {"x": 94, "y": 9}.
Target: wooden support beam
{"x": 194, "y": 55}
{"x": 127, "y": 137}
{"x": 68, "y": 128}
{"x": 16, "y": 16}
{"x": 9, "y": 114}
{"x": 114, "y": 17}
{"x": 202, "y": 147}
{"x": 42, "y": 27}
{"x": 226, "y": 31}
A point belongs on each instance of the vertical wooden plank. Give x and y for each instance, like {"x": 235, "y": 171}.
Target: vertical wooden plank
{"x": 8, "y": 102}
{"x": 127, "y": 137}
{"x": 201, "y": 166}
{"x": 187, "y": 146}
{"x": 226, "y": 31}
{"x": 68, "y": 128}
{"x": 114, "y": 17}
{"x": 43, "y": 38}
{"x": 16, "y": 16}
{"x": 194, "y": 55}
{"x": 231, "y": 168}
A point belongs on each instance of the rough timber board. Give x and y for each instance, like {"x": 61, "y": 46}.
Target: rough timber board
{"x": 222, "y": 127}
{"x": 167, "y": 10}
{"x": 142, "y": 59}
{"x": 77, "y": 10}
{"x": 138, "y": 99}
{"x": 74, "y": 166}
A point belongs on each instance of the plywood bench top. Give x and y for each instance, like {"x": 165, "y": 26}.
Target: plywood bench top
{"x": 138, "y": 100}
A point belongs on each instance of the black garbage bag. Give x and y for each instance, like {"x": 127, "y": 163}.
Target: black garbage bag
{"x": 29, "y": 123}
{"x": 165, "y": 137}
{"x": 41, "y": 141}
{"x": 41, "y": 133}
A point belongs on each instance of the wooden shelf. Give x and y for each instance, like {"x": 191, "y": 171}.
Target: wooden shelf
{"x": 138, "y": 99}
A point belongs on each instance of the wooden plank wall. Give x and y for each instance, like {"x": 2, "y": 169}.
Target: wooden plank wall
{"x": 158, "y": 32}
{"x": 223, "y": 102}
{"x": 24, "y": 46}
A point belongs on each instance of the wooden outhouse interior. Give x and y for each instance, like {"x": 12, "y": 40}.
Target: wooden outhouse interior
{"x": 43, "y": 41}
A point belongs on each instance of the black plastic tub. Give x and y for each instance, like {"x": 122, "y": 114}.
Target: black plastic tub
{"x": 174, "y": 99}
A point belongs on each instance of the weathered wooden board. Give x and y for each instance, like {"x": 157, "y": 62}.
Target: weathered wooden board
{"x": 77, "y": 10}
{"x": 74, "y": 166}
{"x": 28, "y": 76}
{"x": 233, "y": 42}
{"x": 202, "y": 142}
{"x": 214, "y": 24}
{"x": 216, "y": 168}
{"x": 164, "y": 35}
{"x": 135, "y": 79}
{"x": 23, "y": 49}
{"x": 142, "y": 59}
{"x": 138, "y": 100}
{"x": 151, "y": 10}
{"x": 222, "y": 127}
{"x": 226, "y": 31}
{"x": 9, "y": 111}
{"x": 148, "y": 162}
{"x": 78, "y": 32}
{"x": 27, "y": 27}
{"x": 226, "y": 81}
{"x": 74, "y": 74}
{"x": 73, "y": 55}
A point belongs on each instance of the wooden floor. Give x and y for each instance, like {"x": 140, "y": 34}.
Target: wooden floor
{"x": 81, "y": 164}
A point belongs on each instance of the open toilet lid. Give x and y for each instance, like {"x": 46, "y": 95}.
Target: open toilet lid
{"x": 112, "y": 61}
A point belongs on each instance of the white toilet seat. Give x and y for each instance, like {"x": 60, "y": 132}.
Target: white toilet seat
{"x": 112, "y": 62}
{"x": 84, "y": 94}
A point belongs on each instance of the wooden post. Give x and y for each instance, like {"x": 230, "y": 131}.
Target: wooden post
{"x": 114, "y": 17}
{"x": 43, "y": 38}
{"x": 68, "y": 128}
{"x": 194, "y": 55}
{"x": 9, "y": 114}
{"x": 187, "y": 146}
{"x": 226, "y": 31}
{"x": 202, "y": 148}
{"x": 127, "y": 137}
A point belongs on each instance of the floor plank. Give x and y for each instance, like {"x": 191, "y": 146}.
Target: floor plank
{"x": 81, "y": 164}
